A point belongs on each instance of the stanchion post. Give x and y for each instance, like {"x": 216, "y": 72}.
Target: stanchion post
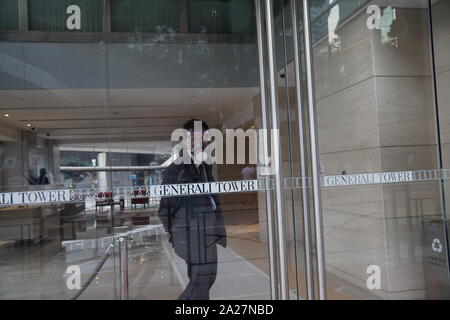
{"x": 123, "y": 252}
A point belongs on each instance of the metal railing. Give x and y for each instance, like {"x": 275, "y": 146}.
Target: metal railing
{"x": 123, "y": 267}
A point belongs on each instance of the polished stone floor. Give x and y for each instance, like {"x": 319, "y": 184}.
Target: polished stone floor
{"x": 38, "y": 271}
{"x": 155, "y": 272}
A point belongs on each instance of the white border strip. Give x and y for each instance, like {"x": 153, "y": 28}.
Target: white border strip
{"x": 191, "y": 189}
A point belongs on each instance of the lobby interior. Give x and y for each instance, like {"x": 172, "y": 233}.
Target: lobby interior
{"x": 115, "y": 104}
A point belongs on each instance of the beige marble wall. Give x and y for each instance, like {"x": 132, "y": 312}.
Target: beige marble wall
{"x": 375, "y": 114}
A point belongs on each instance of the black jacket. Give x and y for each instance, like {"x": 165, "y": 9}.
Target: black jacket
{"x": 194, "y": 226}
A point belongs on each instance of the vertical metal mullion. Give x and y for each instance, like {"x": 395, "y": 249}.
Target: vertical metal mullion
{"x": 276, "y": 154}
{"x": 184, "y": 16}
{"x": 302, "y": 140}
{"x": 314, "y": 151}
{"x": 289, "y": 140}
{"x": 124, "y": 277}
{"x": 265, "y": 126}
{"x": 437, "y": 118}
{"x": 106, "y": 15}
{"x": 23, "y": 15}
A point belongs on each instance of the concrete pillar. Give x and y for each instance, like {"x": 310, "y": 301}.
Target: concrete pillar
{"x": 102, "y": 180}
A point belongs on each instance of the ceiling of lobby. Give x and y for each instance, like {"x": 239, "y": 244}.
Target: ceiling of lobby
{"x": 96, "y": 115}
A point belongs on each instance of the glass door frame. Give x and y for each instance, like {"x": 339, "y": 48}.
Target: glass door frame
{"x": 307, "y": 126}
{"x": 277, "y": 227}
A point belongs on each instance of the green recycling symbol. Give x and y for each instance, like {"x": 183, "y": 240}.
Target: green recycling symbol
{"x": 436, "y": 245}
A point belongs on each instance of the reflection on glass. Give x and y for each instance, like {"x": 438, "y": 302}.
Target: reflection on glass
{"x": 387, "y": 19}
{"x": 333, "y": 21}
{"x": 375, "y": 113}
{"x": 195, "y": 224}
{"x": 95, "y": 108}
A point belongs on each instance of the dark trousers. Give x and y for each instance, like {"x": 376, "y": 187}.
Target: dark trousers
{"x": 201, "y": 277}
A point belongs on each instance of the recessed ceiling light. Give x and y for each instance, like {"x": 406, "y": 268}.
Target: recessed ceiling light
{"x": 6, "y": 115}
{"x": 28, "y": 124}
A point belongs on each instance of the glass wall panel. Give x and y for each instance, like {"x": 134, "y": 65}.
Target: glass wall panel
{"x": 9, "y": 15}
{"x": 56, "y": 212}
{"x": 92, "y": 125}
{"x": 86, "y": 142}
{"x": 221, "y": 16}
{"x": 145, "y": 16}
{"x": 209, "y": 16}
{"x": 154, "y": 90}
{"x": 383, "y": 215}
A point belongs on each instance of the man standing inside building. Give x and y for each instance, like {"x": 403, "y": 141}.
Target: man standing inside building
{"x": 194, "y": 223}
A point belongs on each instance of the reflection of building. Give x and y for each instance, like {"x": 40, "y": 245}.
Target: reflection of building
{"x": 114, "y": 90}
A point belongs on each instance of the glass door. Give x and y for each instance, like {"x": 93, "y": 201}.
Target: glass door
{"x": 295, "y": 156}
{"x": 57, "y": 209}
{"x": 378, "y": 91}
{"x": 198, "y": 225}
{"x": 187, "y": 149}
{"x": 105, "y": 107}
